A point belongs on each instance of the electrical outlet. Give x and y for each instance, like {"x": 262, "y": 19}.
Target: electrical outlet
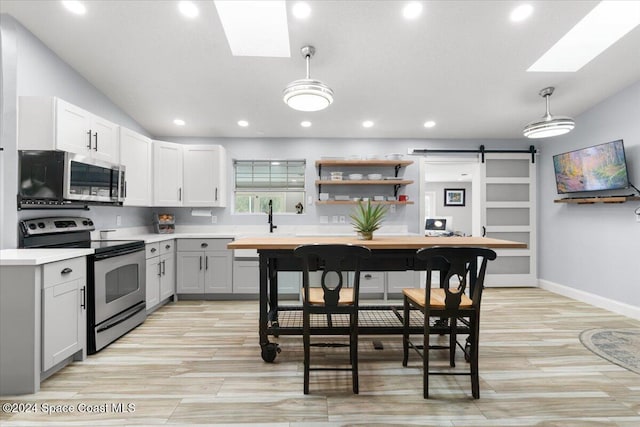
{"x": 334, "y": 219}
{"x": 392, "y": 209}
{"x": 214, "y": 219}
{"x": 118, "y": 220}
{"x": 342, "y": 219}
{"x": 324, "y": 219}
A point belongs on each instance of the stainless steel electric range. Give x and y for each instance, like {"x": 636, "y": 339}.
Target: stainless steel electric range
{"x": 115, "y": 274}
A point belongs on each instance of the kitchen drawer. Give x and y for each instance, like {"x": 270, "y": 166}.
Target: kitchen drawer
{"x": 64, "y": 271}
{"x": 371, "y": 282}
{"x": 152, "y": 250}
{"x": 203, "y": 244}
{"x": 167, "y": 247}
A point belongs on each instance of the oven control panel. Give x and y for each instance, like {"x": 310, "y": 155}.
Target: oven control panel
{"x": 31, "y": 227}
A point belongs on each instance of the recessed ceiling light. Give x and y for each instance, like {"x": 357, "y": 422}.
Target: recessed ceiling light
{"x": 367, "y": 124}
{"x": 243, "y": 123}
{"x": 255, "y": 28}
{"x": 75, "y": 6}
{"x": 429, "y": 124}
{"x": 301, "y": 10}
{"x": 188, "y": 9}
{"x": 521, "y": 13}
{"x": 179, "y": 122}
{"x": 602, "y": 27}
{"x": 412, "y": 10}
{"x": 305, "y": 124}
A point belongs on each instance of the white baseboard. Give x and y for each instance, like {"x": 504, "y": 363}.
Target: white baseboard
{"x": 595, "y": 300}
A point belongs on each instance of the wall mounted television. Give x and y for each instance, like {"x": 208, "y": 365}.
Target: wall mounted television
{"x": 597, "y": 168}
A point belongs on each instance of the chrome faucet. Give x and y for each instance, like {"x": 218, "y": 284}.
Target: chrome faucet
{"x": 270, "y": 219}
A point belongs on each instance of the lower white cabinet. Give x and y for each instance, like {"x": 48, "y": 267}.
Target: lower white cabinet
{"x": 161, "y": 273}
{"x": 43, "y": 319}
{"x": 398, "y": 280}
{"x": 64, "y": 310}
{"x": 205, "y": 266}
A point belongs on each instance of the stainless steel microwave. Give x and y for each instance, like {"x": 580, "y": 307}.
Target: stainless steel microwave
{"x": 56, "y": 177}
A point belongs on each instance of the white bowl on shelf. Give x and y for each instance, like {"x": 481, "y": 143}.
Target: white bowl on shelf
{"x": 355, "y": 176}
{"x": 393, "y": 156}
{"x": 341, "y": 197}
{"x": 324, "y": 196}
{"x": 374, "y": 176}
{"x": 378, "y": 198}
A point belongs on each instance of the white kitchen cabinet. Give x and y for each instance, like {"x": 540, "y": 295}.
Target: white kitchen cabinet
{"x": 135, "y": 155}
{"x": 246, "y": 276}
{"x": 64, "y": 310}
{"x": 160, "y": 275}
{"x": 205, "y": 175}
{"x": 398, "y": 280}
{"x": 49, "y": 123}
{"x": 204, "y": 266}
{"x": 42, "y": 321}
{"x": 167, "y": 174}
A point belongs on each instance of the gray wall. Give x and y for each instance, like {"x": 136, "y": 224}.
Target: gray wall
{"x": 461, "y": 215}
{"x": 593, "y": 248}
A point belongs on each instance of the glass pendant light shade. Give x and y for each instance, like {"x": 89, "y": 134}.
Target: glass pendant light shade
{"x": 307, "y": 94}
{"x": 548, "y": 125}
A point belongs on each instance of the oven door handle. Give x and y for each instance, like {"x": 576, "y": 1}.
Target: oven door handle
{"x": 117, "y": 252}
{"x": 122, "y": 317}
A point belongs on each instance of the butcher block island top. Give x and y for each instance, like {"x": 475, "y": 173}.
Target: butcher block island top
{"x": 381, "y": 242}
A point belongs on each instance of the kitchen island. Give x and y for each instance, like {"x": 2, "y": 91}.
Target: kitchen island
{"x": 389, "y": 253}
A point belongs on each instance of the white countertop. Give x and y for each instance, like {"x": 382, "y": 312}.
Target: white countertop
{"x": 9, "y": 257}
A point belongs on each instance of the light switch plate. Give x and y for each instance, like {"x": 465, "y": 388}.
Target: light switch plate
{"x": 342, "y": 219}
{"x": 324, "y": 219}
{"x": 214, "y": 219}
{"x": 334, "y": 219}
{"x": 118, "y": 219}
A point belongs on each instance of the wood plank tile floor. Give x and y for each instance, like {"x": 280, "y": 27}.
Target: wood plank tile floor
{"x": 196, "y": 362}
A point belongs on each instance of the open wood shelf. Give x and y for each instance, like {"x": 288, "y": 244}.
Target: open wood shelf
{"x": 374, "y": 162}
{"x": 591, "y": 200}
{"x": 351, "y": 202}
{"x": 365, "y": 182}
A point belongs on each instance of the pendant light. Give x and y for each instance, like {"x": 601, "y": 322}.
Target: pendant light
{"x": 308, "y": 94}
{"x": 549, "y": 125}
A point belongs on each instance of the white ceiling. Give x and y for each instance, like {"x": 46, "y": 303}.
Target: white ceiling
{"x": 462, "y": 64}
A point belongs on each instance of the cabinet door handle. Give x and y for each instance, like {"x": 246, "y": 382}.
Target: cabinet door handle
{"x": 180, "y": 194}
{"x": 204, "y": 245}
{"x": 367, "y": 276}
{"x": 95, "y": 135}
{"x": 89, "y": 133}
{"x": 125, "y": 188}
{"x": 206, "y": 262}
{"x": 216, "y": 194}
{"x": 484, "y": 231}
{"x": 66, "y": 270}
{"x": 153, "y": 250}
{"x": 83, "y": 292}
{"x": 167, "y": 247}
{"x": 163, "y": 267}
{"x": 159, "y": 269}
{"x": 200, "y": 262}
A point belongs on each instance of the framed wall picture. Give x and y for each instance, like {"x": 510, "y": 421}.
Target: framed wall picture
{"x": 454, "y": 196}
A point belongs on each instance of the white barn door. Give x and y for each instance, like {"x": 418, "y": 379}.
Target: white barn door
{"x": 509, "y": 212}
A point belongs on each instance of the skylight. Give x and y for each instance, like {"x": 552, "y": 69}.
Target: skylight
{"x": 603, "y": 26}
{"x": 255, "y": 28}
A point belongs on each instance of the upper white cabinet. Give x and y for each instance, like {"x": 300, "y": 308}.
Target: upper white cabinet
{"x": 189, "y": 175}
{"x": 205, "y": 175}
{"x": 135, "y": 155}
{"x": 167, "y": 174}
{"x": 49, "y": 123}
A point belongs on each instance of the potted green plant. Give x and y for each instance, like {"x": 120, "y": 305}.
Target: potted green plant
{"x": 367, "y": 219}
